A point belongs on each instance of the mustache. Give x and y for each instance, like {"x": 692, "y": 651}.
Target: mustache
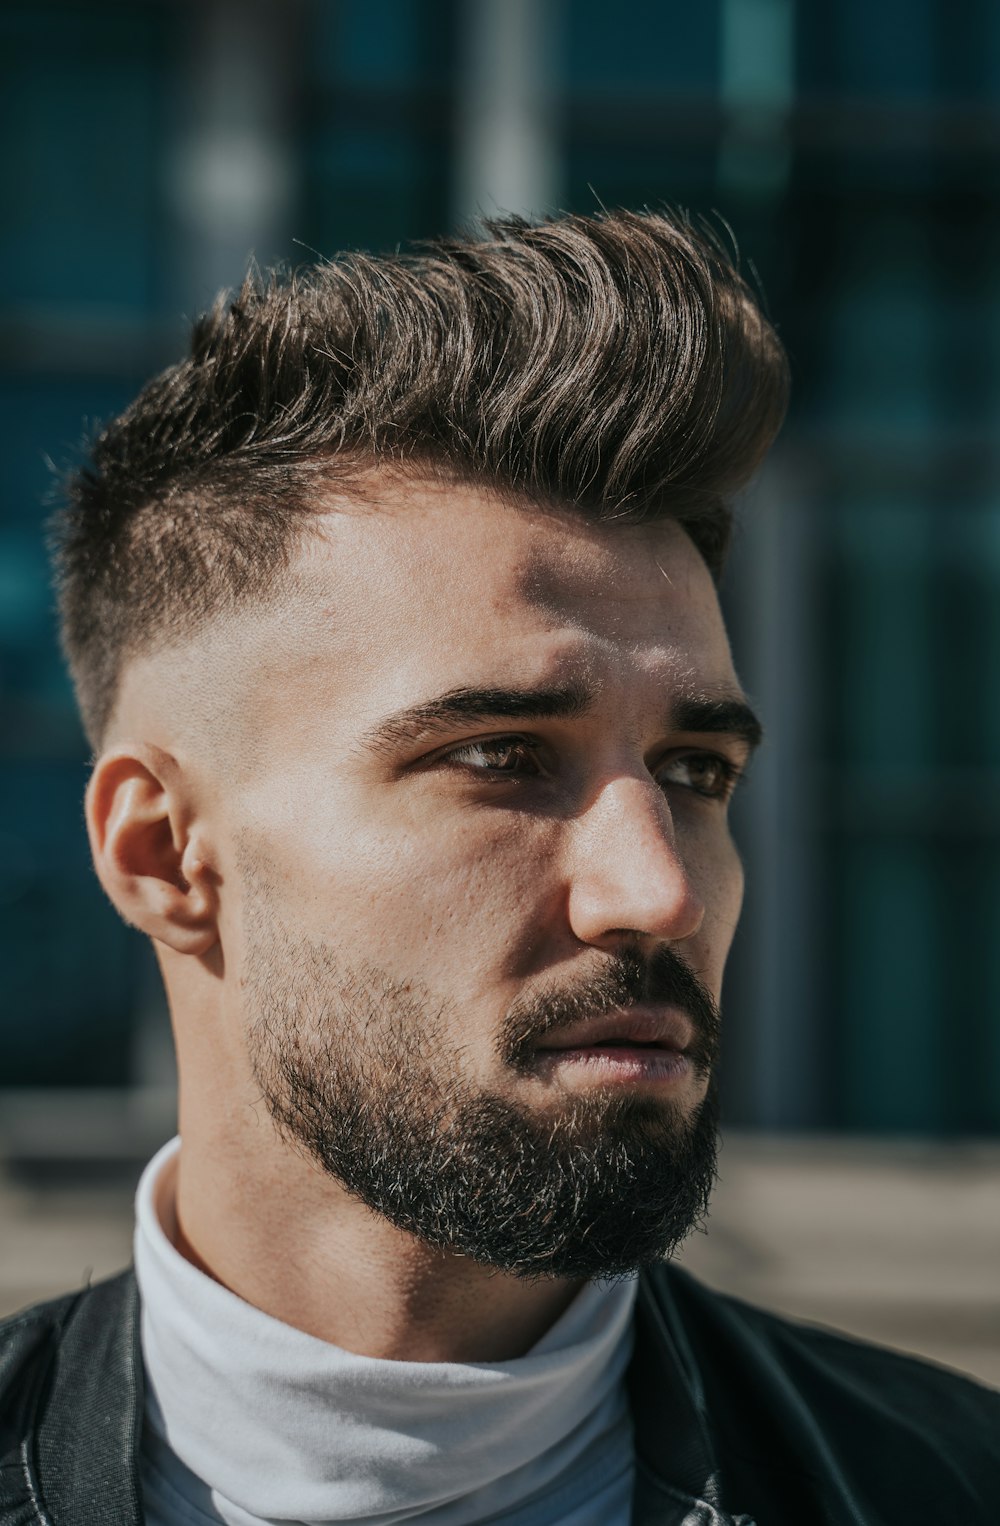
{"x": 629, "y": 979}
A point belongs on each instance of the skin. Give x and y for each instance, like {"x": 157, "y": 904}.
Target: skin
{"x": 246, "y": 745}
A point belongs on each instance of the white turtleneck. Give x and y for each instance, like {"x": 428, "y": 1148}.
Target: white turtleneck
{"x": 250, "y": 1421}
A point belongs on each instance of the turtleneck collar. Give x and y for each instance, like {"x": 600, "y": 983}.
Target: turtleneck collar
{"x": 282, "y": 1426}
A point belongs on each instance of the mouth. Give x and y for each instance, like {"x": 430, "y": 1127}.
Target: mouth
{"x": 645, "y": 1027}
{"x": 641, "y": 1044}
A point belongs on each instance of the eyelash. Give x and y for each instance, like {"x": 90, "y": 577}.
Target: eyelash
{"x": 730, "y": 774}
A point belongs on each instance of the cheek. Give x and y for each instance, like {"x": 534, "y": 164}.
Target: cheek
{"x": 464, "y": 895}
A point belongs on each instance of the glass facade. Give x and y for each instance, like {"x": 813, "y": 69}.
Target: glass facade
{"x": 855, "y": 153}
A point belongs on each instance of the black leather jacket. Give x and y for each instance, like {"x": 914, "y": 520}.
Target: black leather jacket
{"x": 740, "y": 1417}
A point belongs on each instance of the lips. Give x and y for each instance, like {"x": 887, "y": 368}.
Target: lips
{"x": 665, "y": 1028}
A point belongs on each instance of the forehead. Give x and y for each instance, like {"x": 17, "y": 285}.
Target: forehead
{"x": 421, "y": 589}
{"x": 438, "y": 575}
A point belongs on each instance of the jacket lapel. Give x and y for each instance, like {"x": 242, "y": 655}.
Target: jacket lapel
{"x": 87, "y": 1443}
{"x": 676, "y": 1472}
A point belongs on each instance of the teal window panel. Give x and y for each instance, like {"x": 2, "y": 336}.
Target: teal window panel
{"x": 967, "y": 49}
{"x": 372, "y": 190}
{"x": 25, "y": 612}
{"x": 879, "y": 371}
{"x": 69, "y": 962}
{"x": 966, "y": 671}
{"x": 981, "y": 543}
{"x": 915, "y": 1025}
{"x": 986, "y": 1078}
{"x": 376, "y": 124}
{"x": 885, "y": 50}
{"x": 380, "y": 43}
{"x": 968, "y": 1017}
{"x": 49, "y": 419}
{"x": 646, "y": 46}
{"x": 886, "y": 1026}
{"x": 671, "y": 173}
{"x": 79, "y": 97}
{"x": 882, "y": 646}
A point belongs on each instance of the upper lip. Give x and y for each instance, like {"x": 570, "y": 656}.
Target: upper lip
{"x": 665, "y": 1027}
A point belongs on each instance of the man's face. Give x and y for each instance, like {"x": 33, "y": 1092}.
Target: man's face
{"x": 487, "y": 885}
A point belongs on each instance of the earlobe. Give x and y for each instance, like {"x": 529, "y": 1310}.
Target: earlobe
{"x": 140, "y": 825}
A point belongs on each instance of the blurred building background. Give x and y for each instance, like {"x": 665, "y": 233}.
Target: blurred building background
{"x": 854, "y": 150}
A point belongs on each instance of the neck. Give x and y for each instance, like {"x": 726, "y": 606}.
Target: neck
{"x": 281, "y": 1234}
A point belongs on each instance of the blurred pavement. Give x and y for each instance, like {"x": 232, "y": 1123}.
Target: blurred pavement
{"x": 898, "y": 1242}
{"x": 895, "y": 1241}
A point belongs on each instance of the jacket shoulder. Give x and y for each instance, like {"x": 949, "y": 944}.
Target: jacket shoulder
{"x": 34, "y": 1326}
{"x": 27, "y": 1347}
{"x": 871, "y": 1370}
{"x": 60, "y": 1433}
{"x": 25, "y": 1338}
{"x": 29, "y": 1337}
{"x": 801, "y": 1397}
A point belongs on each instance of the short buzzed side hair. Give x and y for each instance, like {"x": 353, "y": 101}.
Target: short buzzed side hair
{"x": 617, "y": 365}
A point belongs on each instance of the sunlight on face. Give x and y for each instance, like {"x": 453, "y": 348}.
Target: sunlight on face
{"x": 493, "y": 754}
{"x": 480, "y": 809}
{"x": 481, "y": 854}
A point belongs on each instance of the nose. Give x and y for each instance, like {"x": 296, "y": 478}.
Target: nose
{"x": 627, "y": 877}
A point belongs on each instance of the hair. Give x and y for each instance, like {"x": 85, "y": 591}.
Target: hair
{"x": 617, "y": 365}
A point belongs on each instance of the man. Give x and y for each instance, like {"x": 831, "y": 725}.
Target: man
{"x": 393, "y": 621}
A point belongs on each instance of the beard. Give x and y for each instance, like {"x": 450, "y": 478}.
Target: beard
{"x": 359, "y": 1074}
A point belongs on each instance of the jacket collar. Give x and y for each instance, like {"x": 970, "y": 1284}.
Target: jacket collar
{"x": 89, "y": 1431}
{"x": 676, "y": 1475}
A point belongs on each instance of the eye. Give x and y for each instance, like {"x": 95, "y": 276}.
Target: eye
{"x": 498, "y": 757}
{"x": 706, "y": 773}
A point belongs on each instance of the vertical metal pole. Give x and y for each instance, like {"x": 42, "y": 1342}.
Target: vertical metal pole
{"x": 775, "y": 1047}
{"x": 507, "y": 149}
{"x": 777, "y": 1053}
{"x": 757, "y": 87}
{"x": 232, "y": 171}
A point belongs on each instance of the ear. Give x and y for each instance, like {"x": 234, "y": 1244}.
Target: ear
{"x": 146, "y": 850}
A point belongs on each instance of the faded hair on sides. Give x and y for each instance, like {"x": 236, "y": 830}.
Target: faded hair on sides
{"x": 617, "y": 365}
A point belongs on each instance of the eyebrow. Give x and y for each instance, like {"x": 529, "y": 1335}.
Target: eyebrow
{"x": 726, "y": 716}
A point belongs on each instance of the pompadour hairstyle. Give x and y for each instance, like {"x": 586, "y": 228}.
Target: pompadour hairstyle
{"x": 616, "y": 364}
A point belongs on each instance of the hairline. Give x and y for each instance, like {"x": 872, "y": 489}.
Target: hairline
{"x": 364, "y": 490}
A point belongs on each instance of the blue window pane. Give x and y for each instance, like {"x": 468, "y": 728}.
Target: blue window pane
{"x": 646, "y": 46}
{"x": 78, "y": 98}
